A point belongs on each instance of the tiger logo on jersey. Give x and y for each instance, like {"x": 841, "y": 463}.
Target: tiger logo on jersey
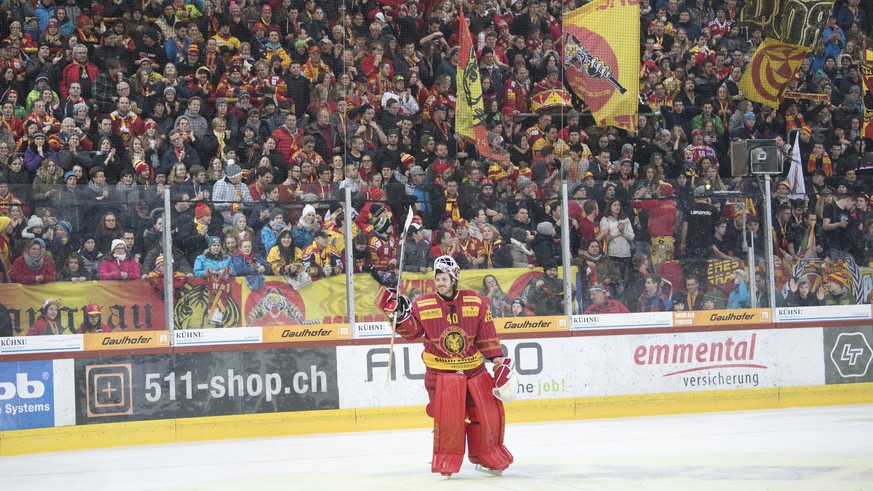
{"x": 454, "y": 341}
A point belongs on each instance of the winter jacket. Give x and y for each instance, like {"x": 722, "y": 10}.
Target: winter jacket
{"x": 68, "y": 203}
{"x": 609, "y": 306}
{"x": 248, "y": 268}
{"x": 303, "y": 236}
{"x": 416, "y": 255}
{"x": 32, "y": 158}
{"x": 44, "y": 182}
{"x": 739, "y": 298}
{"x": 499, "y": 255}
{"x": 619, "y": 242}
{"x": 268, "y": 237}
{"x": 286, "y": 142}
{"x": 277, "y": 262}
{"x": 42, "y": 327}
{"x": 202, "y": 263}
{"x": 111, "y": 268}
{"x": 20, "y": 273}
{"x": 547, "y": 299}
{"x": 199, "y": 125}
{"x": 546, "y": 250}
{"x": 603, "y": 266}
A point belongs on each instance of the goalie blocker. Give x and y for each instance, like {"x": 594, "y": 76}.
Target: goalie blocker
{"x": 466, "y": 402}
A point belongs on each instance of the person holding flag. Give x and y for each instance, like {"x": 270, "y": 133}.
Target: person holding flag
{"x": 469, "y": 110}
{"x": 809, "y": 238}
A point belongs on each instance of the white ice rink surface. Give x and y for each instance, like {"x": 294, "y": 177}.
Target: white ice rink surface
{"x": 827, "y": 449}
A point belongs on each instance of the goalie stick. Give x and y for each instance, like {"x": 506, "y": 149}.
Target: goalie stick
{"x": 406, "y": 225}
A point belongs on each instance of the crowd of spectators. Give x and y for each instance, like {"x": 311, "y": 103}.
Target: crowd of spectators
{"x": 259, "y": 114}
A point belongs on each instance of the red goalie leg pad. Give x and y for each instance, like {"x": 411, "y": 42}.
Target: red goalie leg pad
{"x": 487, "y": 421}
{"x": 448, "y": 423}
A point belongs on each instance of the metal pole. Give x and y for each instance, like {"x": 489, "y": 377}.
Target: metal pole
{"x": 350, "y": 261}
{"x": 753, "y": 287}
{"x": 750, "y": 258}
{"x": 565, "y": 249}
{"x": 168, "y": 263}
{"x": 768, "y": 242}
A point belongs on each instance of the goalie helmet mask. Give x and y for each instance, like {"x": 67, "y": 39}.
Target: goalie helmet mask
{"x": 447, "y": 264}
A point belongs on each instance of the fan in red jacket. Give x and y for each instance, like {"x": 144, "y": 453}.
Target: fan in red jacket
{"x": 80, "y": 70}
{"x": 93, "y": 323}
{"x": 49, "y": 322}
{"x": 33, "y": 267}
{"x": 289, "y": 138}
{"x": 603, "y": 305}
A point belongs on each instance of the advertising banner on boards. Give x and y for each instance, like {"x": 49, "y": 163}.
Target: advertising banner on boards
{"x": 543, "y": 369}
{"x": 36, "y": 394}
{"x": 186, "y": 385}
{"x": 848, "y": 356}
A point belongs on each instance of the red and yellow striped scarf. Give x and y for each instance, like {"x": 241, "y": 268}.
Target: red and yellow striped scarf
{"x": 826, "y": 165}
{"x": 452, "y": 209}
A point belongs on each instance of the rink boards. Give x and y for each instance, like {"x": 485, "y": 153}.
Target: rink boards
{"x": 179, "y": 395}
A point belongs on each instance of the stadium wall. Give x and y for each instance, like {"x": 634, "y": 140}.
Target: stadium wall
{"x": 81, "y": 399}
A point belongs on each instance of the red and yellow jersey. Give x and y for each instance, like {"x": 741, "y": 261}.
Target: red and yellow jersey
{"x": 458, "y": 333}
{"x": 533, "y": 134}
{"x": 231, "y": 92}
{"x": 127, "y": 126}
{"x": 230, "y": 41}
{"x": 516, "y": 95}
{"x": 382, "y": 251}
{"x": 434, "y": 99}
{"x": 14, "y": 125}
{"x": 26, "y": 43}
{"x": 15, "y": 63}
{"x": 44, "y": 120}
{"x": 301, "y": 156}
{"x": 472, "y": 248}
{"x": 277, "y": 84}
{"x": 315, "y": 259}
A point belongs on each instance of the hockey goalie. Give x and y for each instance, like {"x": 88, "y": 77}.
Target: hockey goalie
{"x": 466, "y": 402}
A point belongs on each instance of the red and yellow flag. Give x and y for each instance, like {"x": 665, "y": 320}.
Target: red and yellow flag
{"x": 867, "y": 76}
{"x": 771, "y": 70}
{"x": 602, "y": 60}
{"x": 469, "y": 109}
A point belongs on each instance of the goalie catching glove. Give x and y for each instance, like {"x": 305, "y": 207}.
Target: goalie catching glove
{"x": 505, "y": 387}
{"x": 394, "y": 305}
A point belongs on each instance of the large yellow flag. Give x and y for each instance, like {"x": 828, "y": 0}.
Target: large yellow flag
{"x": 770, "y": 71}
{"x": 469, "y": 110}
{"x": 867, "y": 89}
{"x": 602, "y": 59}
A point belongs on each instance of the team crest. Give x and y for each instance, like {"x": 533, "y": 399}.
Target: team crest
{"x": 454, "y": 341}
